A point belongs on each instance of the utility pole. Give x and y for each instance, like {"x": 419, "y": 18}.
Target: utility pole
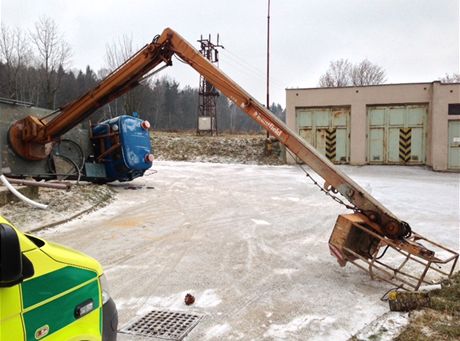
{"x": 268, "y": 57}
{"x": 207, "y": 112}
{"x": 268, "y": 142}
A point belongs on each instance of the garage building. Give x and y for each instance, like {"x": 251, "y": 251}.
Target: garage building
{"x": 405, "y": 124}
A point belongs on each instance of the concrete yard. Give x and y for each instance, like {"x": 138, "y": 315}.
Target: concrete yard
{"x": 250, "y": 243}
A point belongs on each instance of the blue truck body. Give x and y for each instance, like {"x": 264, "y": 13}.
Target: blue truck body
{"x": 122, "y": 144}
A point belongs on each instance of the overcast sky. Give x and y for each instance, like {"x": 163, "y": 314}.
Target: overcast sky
{"x": 414, "y": 41}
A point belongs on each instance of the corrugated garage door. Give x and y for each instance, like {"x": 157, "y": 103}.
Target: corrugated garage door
{"x": 396, "y": 134}
{"x": 454, "y": 145}
{"x": 327, "y": 129}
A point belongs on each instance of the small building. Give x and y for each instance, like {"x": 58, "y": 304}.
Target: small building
{"x": 404, "y": 124}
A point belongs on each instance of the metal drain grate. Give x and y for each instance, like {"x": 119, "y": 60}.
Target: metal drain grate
{"x": 168, "y": 325}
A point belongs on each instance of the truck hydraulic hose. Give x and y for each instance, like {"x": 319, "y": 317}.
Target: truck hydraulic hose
{"x": 20, "y": 195}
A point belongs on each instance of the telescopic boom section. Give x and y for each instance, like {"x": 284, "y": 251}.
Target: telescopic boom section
{"x": 123, "y": 79}
{"x": 335, "y": 180}
{"x": 33, "y": 138}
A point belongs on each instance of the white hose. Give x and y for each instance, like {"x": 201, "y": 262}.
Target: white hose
{"x": 20, "y": 195}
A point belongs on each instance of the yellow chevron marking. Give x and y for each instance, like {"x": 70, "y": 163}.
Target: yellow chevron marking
{"x": 405, "y": 137}
{"x": 331, "y": 140}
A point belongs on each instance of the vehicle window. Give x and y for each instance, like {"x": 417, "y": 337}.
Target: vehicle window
{"x": 38, "y": 242}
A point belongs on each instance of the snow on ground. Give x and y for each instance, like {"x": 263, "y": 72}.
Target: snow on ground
{"x": 429, "y": 201}
{"x": 250, "y": 243}
{"x": 205, "y": 299}
{"x": 314, "y": 323}
{"x": 385, "y": 328}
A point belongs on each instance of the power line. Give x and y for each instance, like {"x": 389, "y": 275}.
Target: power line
{"x": 207, "y": 113}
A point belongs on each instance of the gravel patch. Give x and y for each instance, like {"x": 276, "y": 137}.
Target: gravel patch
{"x": 224, "y": 148}
{"x": 62, "y": 205}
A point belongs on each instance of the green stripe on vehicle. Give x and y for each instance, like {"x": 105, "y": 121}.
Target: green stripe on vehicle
{"x": 54, "y": 283}
{"x": 60, "y": 312}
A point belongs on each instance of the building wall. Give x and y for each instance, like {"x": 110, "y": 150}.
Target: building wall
{"x": 443, "y": 94}
{"x": 436, "y": 95}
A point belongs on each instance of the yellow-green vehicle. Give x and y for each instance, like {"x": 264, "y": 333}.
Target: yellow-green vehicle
{"x": 50, "y": 292}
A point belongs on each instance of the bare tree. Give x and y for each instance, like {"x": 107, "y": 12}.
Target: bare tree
{"x": 15, "y": 54}
{"x": 367, "y": 73}
{"x": 454, "y": 78}
{"x": 118, "y": 52}
{"x": 8, "y": 58}
{"x": 107, "y": 110}
{"x": 343, "y": 73}
{"x": 53, "y": 56}
{"x": 115, "y": 55}
{"x": 338, "y": 74}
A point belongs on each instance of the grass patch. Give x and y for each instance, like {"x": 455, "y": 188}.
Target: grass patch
{"x": 439, "y": 322}
{"x": 447, "y": 299}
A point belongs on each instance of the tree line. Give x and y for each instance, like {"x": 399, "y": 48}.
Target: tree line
{"x": 35, "y": 68}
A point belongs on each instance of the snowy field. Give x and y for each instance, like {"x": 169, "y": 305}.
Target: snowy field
{"x": 250, "y": 243}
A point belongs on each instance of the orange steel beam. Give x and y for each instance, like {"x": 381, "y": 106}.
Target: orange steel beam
{"x": 32, "y": 138}
{"x": 335, "y": 179}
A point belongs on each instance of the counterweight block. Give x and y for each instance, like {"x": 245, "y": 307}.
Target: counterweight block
{"x": 22, "y": 137}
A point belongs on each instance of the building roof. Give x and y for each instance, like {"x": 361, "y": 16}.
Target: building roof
{"x": 367, "y": 86}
